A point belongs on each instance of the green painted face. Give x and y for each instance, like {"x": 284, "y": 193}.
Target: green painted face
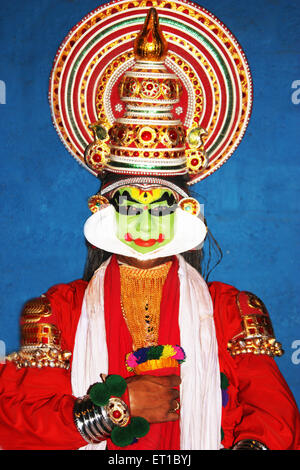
{"x": 145, "y": 219}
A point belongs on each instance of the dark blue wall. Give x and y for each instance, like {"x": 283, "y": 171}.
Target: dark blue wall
{"x": 251, "y": 203}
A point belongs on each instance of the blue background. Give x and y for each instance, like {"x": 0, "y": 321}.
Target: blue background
{"x": 251, "y": 203}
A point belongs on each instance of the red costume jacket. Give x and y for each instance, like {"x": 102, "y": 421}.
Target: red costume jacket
{"x": 36, "y": 402}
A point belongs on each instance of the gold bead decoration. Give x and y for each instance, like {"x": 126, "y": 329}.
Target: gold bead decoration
{"x": 141, "y": 293}
{"x": 97, "y": 202}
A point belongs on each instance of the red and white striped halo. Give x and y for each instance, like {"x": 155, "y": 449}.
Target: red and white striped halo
{"x": 217, "y": 87}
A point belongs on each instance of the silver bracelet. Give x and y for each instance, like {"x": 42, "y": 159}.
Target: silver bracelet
{"x": 98, "y": 424}
{"x": 95, "y": 423}
{"x": 79, "y": 421}
{"x": 249, "y": 444}
{"x": 85, "y": 419}
{"x": 86, "y": 416}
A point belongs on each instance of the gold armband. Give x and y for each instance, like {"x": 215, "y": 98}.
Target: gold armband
{"x": 40, "y": 342}
{"x": 257, "y": 335}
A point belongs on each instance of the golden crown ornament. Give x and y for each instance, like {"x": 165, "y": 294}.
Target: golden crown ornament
{"x": 152, "y": 89}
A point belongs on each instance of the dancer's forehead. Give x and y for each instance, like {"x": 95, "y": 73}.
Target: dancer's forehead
{"x": 145, "y": 193}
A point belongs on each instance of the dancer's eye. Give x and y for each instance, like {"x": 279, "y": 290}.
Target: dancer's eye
{"x": 129, "y": 210}
{"x": 133, "y": 210}
{"x": 160, "y": 211}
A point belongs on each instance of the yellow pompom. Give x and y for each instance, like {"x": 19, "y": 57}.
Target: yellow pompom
{"x": 168, "y": 351}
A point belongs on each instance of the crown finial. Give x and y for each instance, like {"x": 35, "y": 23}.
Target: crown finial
{"x": 150, "y": 44}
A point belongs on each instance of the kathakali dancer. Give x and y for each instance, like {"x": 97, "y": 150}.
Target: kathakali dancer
{"x": 143, "y": 353}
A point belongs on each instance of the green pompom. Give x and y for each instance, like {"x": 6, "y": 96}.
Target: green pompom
{"x": 155, "y": 352}
{"x": 224, "y": 381}
{"x": 122, "y": 437}
{"x": 116, "y": 385}
{"x": 99, "y": 394}
{"x": 140, "y": 426}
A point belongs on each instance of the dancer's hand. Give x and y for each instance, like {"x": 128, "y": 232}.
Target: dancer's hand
{"x": 154, "y": 398}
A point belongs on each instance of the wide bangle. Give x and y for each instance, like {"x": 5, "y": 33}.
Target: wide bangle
{"x": 102, "y": 415}
{"x": 93, "y": 425}
{"x": 249, "y": 444}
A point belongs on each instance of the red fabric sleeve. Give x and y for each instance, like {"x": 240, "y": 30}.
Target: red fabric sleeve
{"x": 36, "y": 410}
{"x": 270, "y": 414}
{"x": 36, "y": 405}
{"x": 261, "y": 405}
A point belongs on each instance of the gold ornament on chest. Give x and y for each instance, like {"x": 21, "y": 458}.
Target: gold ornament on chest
{"x": 141, "y": 293}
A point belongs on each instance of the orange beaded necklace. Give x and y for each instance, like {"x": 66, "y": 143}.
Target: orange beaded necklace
{"x": 141, "y": 293}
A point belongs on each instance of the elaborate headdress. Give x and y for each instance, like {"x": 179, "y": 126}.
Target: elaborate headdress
{"x": 132, "y": 98}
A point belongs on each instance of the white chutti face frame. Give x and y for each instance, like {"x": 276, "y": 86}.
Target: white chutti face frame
{"x": 100, "y": 230}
